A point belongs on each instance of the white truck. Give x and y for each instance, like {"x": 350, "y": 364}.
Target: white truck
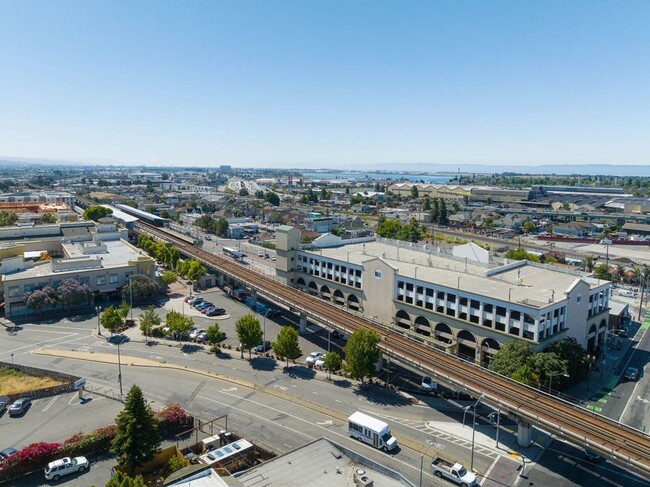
{"x": 371, "y": 430}
{"x": 454, "y": 472}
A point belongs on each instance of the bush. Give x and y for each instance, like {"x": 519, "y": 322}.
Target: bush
{"x": 172, "y": 419}
{"x": 84, "y": 443}
{"x": 33, "y": 457}
{"x": 157, "y": 332}
{"x": 174, "y": 464}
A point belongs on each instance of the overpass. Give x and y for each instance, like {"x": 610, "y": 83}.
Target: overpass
{"x": 615, "y": 441}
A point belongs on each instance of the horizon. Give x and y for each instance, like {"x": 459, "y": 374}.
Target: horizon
{"x": 327, "y": 85}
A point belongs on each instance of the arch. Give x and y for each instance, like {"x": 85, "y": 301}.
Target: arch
{"x": 443, "y": 333}
{"x": 422, "y": 326}
{"x": 602, "y": 325}
{"x": 312, "y": 288}
{"x": 300, "y": 283}
{"x": 325, "y": 292}
{"x": 402, "y": 319}
{"x": 467, "y": 346}
{"x": 489, "y": 347}
{"x": 339, "y": 298}
{"x": 422, "y": 321}
{"x": 592, "y": 329}
{"x": 353, "y": 302}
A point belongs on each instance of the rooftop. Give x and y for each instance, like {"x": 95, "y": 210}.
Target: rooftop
{"x": 531, "y": 284}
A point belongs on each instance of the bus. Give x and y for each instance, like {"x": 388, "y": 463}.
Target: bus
{"x": 371, "y": 430}
{"x": 234, "y": 253}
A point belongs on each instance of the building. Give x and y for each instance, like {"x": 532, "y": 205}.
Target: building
{"x": 455, "y": 303}
{"x": 457, "y": 192}
{"x": 99, "y": 258}
{"x": 39, "y": 197}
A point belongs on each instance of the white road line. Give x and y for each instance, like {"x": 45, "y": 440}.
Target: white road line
{"x": 638, "y": 380}
{"x": 72, "y": 399}
{"x": 37, "y": 344}
{"x": 49, "y": 404}
{"x": 492, "y": 465}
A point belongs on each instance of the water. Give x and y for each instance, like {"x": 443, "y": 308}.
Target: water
{"x": 376, "y": 176}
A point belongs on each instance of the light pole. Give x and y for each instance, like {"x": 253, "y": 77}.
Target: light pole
{"x": 119, "y": 367}
{"x": 131, "y": 296}
{"x": 471, "y": 464}
{"x": 264, "y": 328}
{"x": 98, "y": 310}
{"x": 429, "y": 444}
{"x": 550, "y": 379}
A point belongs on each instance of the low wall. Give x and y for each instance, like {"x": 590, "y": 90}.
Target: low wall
{"x": 67, "y": 381}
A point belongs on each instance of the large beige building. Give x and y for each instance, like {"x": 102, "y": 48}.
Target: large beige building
{"x": 465, "y": 304}
{"x": 96, "y": 255}
{"x": 457, "y": 192}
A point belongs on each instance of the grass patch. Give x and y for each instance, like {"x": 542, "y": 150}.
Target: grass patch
{"x": 14, "y": 381}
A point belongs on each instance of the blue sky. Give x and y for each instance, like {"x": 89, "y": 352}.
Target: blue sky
{"x": 326, "y": 83}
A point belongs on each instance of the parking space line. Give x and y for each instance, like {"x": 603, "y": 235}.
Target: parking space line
{"x": 49, "y": 404}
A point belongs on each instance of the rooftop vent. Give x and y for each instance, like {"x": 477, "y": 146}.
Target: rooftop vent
{"x": 361, "y": 479}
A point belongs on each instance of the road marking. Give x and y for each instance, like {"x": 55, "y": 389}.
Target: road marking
{"x": 329, "y": 422}
{"x": 230, "y": 389}
{"x": 49, "y": 404}
{"x": 37, "y": 344}
{"x": 72, "y": 399}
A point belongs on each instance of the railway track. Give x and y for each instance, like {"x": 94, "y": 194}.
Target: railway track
{"x": 618, "y": 442}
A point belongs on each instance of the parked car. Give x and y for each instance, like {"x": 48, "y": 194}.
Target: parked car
{"x": 203, "y": 305}
{"x": 312, "y": 357}
{"x": 195, "y": 300}
{"x": 216, "y": 312}
{"x": 592, "y": 456}
{"x": 273, "y": 257}
{"x": 4, "y": 402}
{"x": 194, "y": 332}
{"x": 208, "y": 237}
{"x": 320, "y": 362}
{"x": 263, "y": 347}
{"x": 260, "y": 253}
{"x": 632, "y": 373}
{"x": 202, "y": 337}
{"x": 205, "y": 309}
{"x": 65, "y": 466}
{"x": 6, "y": 454}
{"x": 19, "y": 406}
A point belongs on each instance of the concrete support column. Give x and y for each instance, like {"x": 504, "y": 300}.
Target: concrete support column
{"x": 303, "y": 323}
{"x": 478, "y": 355}
{"x": 524, "y": 433}
{"x": 254, "y": 298}
{"x": 221, "y": 279}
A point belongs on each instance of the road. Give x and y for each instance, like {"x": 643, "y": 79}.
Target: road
{"x": 281, "y": 413}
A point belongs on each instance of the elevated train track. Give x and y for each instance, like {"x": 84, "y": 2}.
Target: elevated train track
{"x": 614, "y": 440}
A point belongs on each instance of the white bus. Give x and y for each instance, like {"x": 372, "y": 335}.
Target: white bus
{"x": 371, "y": 430}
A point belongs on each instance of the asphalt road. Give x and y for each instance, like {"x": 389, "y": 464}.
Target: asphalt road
{"x": 279, "y": 421}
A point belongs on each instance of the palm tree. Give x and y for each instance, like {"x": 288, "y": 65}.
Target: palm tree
{"x": 588, "y": 263}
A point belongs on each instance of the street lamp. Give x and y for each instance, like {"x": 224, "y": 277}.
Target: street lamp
{"x": 98, "y": 310}
{"x": 131, "y": 296}
{"x": 550, "y": 379}
{"x": 471, "y": 464}
{"x": 119, "y": 367}
{"x": 429, "y": 444}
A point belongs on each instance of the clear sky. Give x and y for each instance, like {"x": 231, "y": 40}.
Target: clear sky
{"x": 326, "y": 83}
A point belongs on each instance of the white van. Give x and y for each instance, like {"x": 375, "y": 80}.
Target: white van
{"x": 627, "y": 293}
{"x": 371, "y": 430}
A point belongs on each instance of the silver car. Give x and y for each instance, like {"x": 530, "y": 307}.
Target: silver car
{"x": 19, "y": 406}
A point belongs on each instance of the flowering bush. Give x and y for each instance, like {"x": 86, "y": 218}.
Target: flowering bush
{"x": 172, "y": 419}
{"x": 32, "y": 457}
{"x": 84, "y": 443}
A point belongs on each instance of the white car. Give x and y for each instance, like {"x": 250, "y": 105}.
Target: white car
{"x": 320, "y": 362}
{"x": 65, "y": 466}
{"x": 196, "y": 332}
{"x": 313, "y": 357}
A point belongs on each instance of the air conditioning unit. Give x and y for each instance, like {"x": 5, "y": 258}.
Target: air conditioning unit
{"x": 361, "y": 479}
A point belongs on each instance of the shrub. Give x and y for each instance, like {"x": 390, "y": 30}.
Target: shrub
{"x": 157, "y": 332}
{"x": 84, "y": 443}
{"x": 32, "y": 457}
{"x": 173, "y": 418}
{"x": 174, "y": 464}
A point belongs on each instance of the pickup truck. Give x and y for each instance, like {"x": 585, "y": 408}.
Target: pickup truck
{"x": 454, "y": 472}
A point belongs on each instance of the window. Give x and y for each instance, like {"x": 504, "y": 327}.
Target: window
{"x": 441, "y": 295}
{"x": 112, "y": 279}
{"x": 515, "y": 315}
{"x": 14, "y": 291}
{"x": 429, "y": 292}
{"x": 101, "y": 280}
{"x": 487, "y": 307}
{"x": 451, "y": 298}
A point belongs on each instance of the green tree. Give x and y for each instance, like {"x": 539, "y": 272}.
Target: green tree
{"x": 179, "y": 325}
{"x": 259, "y": 194}
{"x": 570, "y": 352}
{"x": 435, "y": 210}
{"x": 414, "y": 192}
{"x": 272, "y": 198}
{"x": 510, "y": 357}
{"x": 526, "y": 375}
{"x": 221, "y": 227}
{"x": 601, "y": 271}
{"x": 286, "y": 346}
{"x": 243, "y": 192}
{"x": 149, "y": 320}
{"x": 168, "y": 278}
{"x": 120, "y": 479}
{"x": 443, "y": 217}
{"x": 426, "y": 206}
{"x": 332, "y": 363}
{"x": 48, "y": 218}
{"x": 195, "y": 270}
{"x": 7, "y": 218}
{"x": 549, "y": 367}
{"x": 174, "y": 464}
{"x": 136, "y": 438}
{"x": 411, "y": 232}
{"x": 96, "y": 212}
{"x": 111, "y": 319}
{"x": 362, "y": 353}
{"x": 213, "y": 335}
{"x": 521, "y": 254}
{"x": 529, "y": 226}
{"x": 144, "y": 287}
{"x": 389, "y": 228}
{"x": 124, "y": 309}
{"x": 249, "y": 333}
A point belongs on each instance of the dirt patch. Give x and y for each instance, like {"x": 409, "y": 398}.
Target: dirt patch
{"x": 14, "y": 381}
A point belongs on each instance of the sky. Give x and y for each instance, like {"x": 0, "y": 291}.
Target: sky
{"x": 340, "y": 84}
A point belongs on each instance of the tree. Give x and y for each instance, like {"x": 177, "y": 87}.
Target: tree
{"x": 48, "y": 218}
{"x": 168, "y": 278}
{"x": 111, "y": 319}
{"x": 136, "y": 439}
{"x": 414, "y": 192}
{"x": 443, "y": 218}
{"x": 151, "y": 209}
{"x": 259, "y": 194}
{"x": 213, "y": 335}
{"x": 7, "y": 218}
{"x": 411, "y": 232}
{"x": 120, "y": 479}
{"x": 272, "y": 198}
{"x": 573, "y": 355}
{"x": 41, "y": 298}
{"x": 526, "y": 375}
{"x": 389, "y": 228}
{"x": 426, "y": 206}
{"x": 521, "y": 254}
{"x": 96, "y": 212}
{"x": 195, "y": 270}
{"x": 149, "y": 320}
{"x": 510, "y": 357}
{"x": 332, "y": 363}
{"x": 601, "y": 271}
{"x": 548, "y": 366}
{"x": 221, "y": 227}
{"x": 243, "y": 192}
{"x": 179, "y": 325}
{"x": 124, "y": 309}
{"x": 529, "y": 226}
{"x": 286, "y": 346}
{"x": 144, "y": 287}
{"x": 249, "y": 333}
{"x": 71, "y": 292}
{"x": 435, "y": 210}
{"x": 362, "y": 353}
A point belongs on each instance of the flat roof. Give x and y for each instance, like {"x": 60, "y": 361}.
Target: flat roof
{"x": 320, "y": 463}
{"x": 532, "y": 285}
{"x": 121, "y": 215}
{"x": 141, "y": 213}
